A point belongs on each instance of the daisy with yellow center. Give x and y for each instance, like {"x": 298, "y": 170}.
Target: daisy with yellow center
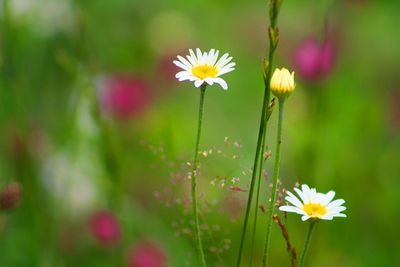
{"x": 204, "y": 67}
{"x": 314, "y": 205}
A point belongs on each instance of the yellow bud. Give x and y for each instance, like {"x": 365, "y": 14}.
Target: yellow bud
{"x": 282, "y": 83}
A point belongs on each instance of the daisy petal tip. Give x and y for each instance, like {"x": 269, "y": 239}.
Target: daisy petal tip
{"x": 304, "y": 218}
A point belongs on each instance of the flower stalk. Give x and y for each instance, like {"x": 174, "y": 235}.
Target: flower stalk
{"x": 259, "y": 175}
{"x": 275, "y": 179}
{"x": 202, "y": 68}
{"x": 194, "y": 182}
{"x": 274, "y": 6}
{"x": 307, "y": 242}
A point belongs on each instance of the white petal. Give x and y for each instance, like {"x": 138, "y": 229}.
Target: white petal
{"x": 198, "y": 83}
{"x": 221, "y": 82}
{"x": 199, "y": 56}
{"x": 313, "y": 195}
{"x": 305, "y": 217}
{"x": 193, "y": 57}
{"x": 293, "y": 199}
{"x": 181, "y": 65}
{"x": 328, "y": 197}
{"x": 337, "y": 209}
{"x": 210, "y": 81}
{"x": 339, "y": 215}
{"x": 335, "y": 203}
{"x": 184, "y": 78}
{"x": 214, "y": 58}
{"x": 182, "y": 73}
{"x": 223, "y": 58}
{"x": 291, "y": 209}
{"x": 228, "y": 66}
{"x": 221, "y": 63}
{"x": 210, "y": 55}
{"x": 187, "y": 77}
{"x": 303, "y": 197}
{"x": 225, "y": 70}
{"x": 185, "y": 62}
{"x": 305, "y": 189}
{"x": 321, "y": 198}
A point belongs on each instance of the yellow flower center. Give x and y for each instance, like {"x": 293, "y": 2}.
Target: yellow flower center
{"x": 205, "y": 71}
{"x": 314, "y": 210}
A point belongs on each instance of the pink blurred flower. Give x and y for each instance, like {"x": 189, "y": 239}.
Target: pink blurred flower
{"x": 147, "y": 254}
{"x": 105, "y": 228}
{"x": 314, "y": 60}
{"x": 125, "y": 96}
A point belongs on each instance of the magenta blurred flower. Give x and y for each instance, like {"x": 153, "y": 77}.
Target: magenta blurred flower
{"x": 147, "y": 254}
{"x": 313, "y": 60}
{"x": 125, "y": 96}
{"x": 105, "y": 227}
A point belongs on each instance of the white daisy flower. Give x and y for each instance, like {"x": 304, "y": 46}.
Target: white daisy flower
{"x": 313, "y": 204}
{"x": 203, "y": 67}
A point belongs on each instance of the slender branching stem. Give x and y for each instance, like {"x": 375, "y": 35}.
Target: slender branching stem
{"x": 274, "y": 6}
{"x": 258, "y": 160}
{"x": 194, "y": 185}
{"x": 259, "y": 174}
{"x": 275, "y": 180}
{"x": 307, "y": 242}
{"x": 259, "y": 177}
{"x": 259, "y": 149}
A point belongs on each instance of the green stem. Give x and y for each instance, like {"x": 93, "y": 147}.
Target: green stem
{"x": 194, "y": 174}
{"x": 260, "y": 169}
{"x": 259, "y": 174}
{"x": 275, "y": 180}
{"x": 307, "y": 243}
{"x": 258, "y": 162}
{"x": 254, "y": 173}
{"x": 273, "y": 42}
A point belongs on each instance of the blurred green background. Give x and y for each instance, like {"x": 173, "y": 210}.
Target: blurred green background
{"x": 96, "y": 132}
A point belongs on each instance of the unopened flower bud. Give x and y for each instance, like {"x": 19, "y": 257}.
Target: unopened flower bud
{"x": 282, "y": 83}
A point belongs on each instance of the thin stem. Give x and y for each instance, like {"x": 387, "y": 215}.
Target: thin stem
{"x": 260, "y": 169}
{"x": 253, "y": 235}
{"x": 273, "y": 42}
{"x": 258, "y": 162}
{"x": 254, "y": 173}
{"x": 307, "y": 243}
{"x": 194, "y": 174}
{"x": 275, "y": 180}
